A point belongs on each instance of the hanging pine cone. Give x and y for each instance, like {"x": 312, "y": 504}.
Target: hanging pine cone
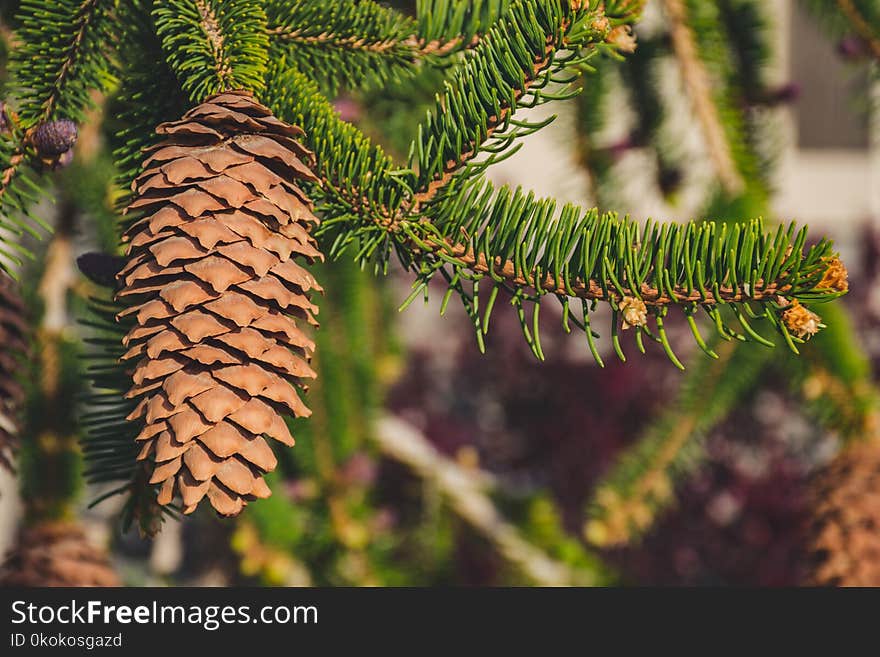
{"x": 56, "y": 554}
{"x": 217, "y": 299}
{"x": 12, "y": 346}
{"x": 54, "y": 138}
{"x": 844, "y": 537}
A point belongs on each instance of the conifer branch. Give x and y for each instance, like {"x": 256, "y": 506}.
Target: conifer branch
{"x": 447, "y": 27}
{"x": 641, "y": 483}
{"x": 359, "y": 188}
{"x": 514, "y": 240}
{"x": 87, "y": 11}
{"x": 300, "y": 38}
{"x": 833, "y": 378}
{"x": 747, "y": 29}
{"x": 439, "y": 212}
{"x": 699, "y": 88}
{"x": 214, "y": 45}
{"x": 439, "y": 48}
{"x": 211, "y": 28}
{"x": 366, "y": 44}
{"x": 522, "y": 55}
{"x": 65, "y": 54}
{"x": 345, "y": 44}
{"x": 19, "y": 192}
{"x": 861, "y": 26}
{"x": 466, "y": 493}
{"x": 108, "y": 441}
{"x": 11, "y": 171}
{"x": 593, "y": 289}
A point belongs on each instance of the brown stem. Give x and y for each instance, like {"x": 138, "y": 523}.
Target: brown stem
{"x": 439, "y": 48}
{"x": 592, "y": 289}
{"x": 10, "y": 172}
{"x": 211, "y": 27}
{"x": 416, "y": 47}
{"x": 337, "y": 41}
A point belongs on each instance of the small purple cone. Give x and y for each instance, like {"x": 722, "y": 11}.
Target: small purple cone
{"x": 852, "y": 47}
{"x": 54, "y": 137}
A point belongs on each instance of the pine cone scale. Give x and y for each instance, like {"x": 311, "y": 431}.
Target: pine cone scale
{"x": 56, "y": 554}
{"x": 216, "y": 300}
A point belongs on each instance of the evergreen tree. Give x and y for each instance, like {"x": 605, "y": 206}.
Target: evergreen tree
{"x": 240, "y": 176}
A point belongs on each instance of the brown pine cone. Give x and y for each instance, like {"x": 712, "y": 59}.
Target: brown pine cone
{"x": 12, "y": 345}
{"x": 56, "y": 554}
{"x": 843, "y": 544}
{"x": 217, "y": 298}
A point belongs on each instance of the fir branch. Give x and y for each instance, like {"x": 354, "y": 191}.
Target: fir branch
{"x": 466, "y": 493}
{"x": 699, "y": 88}
{"x": 359, "y": 186}
{"x": 832, "y": 377}
{"x": 440, "y": 213}
{"x": 522, "y": 55}
{"x": 747, "y": 31}
{"x": 211, "y": 28}
{"x": 214, "y": 45}
{"x": 719, "y": 46}
{"x": 109, "y": 442}
{"x": 365, "y": 44}
{"x": 20, "y": 190}
{"x": 510, "y": 68}
{"x": 531, "y": 55}
{"x": 641, "y": 483}
{"x": 15, "y": 161}
{"x": 512, "y": 239}
{"x": 861, "y": 25}
{"x": 348, "y": 44}
{"x": 65, "y": 54}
